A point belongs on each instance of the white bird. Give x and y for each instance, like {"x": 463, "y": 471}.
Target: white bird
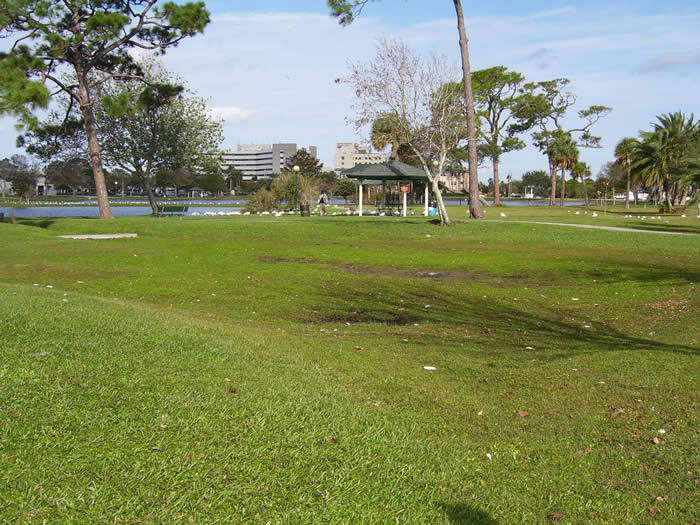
{"x": 503, "y": 214}
{"x": 594, "y": 214}
{"x": 684, "y": 216}
{"x": 578, "y": 213}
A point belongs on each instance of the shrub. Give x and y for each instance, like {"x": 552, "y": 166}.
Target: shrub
{"x": 263, "y": 200}
{"x": 665, "y": 207}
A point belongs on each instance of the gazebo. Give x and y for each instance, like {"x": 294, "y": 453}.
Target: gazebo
{"x": 375, "y": 174}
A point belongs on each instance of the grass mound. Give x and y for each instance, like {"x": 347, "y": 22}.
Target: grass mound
{"x": 259, "y": 370}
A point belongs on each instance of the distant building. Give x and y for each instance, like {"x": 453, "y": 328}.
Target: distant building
{"x": 348, "y": 155}
{"x": 455, "y": 182}
{"x": 261, "y": 160}
{"x": 41, "y": 187}
{"x": 5, "y": 187}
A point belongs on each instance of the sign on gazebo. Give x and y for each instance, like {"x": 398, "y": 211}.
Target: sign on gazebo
{"x": 404, "y": 187}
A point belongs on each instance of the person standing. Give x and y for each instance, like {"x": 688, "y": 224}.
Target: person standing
{"x": 322, "y": 201}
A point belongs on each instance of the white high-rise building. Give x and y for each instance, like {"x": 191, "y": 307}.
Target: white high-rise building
{"x": 260, "y": 160}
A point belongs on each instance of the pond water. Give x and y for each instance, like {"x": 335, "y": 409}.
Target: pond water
{"x": 93, "y": 211}
{"x": 131, "y": 211}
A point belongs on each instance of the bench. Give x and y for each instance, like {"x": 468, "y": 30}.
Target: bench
{"x": 171, "y": 209}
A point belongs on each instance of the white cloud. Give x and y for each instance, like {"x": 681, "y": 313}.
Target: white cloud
{"x": 671, "y": 60}
{"x": 232, "y": 114}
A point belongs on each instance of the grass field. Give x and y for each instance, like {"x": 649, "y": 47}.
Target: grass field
{"x": 271, "y": 370}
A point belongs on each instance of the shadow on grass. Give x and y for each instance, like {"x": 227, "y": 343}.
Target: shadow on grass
{"x": 642, "y": 274}
{"x": 655, "y": 227}
{"x": 493, "y": 325}
{"x": 37, "y": 223}
{"x": 461, "y": 514}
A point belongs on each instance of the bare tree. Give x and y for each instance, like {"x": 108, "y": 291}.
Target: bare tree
{"x": 422, "y": 95}
{"x": 347, "y": 10}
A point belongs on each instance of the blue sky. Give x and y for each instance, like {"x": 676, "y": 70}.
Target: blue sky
{"x": 268, "y": 67}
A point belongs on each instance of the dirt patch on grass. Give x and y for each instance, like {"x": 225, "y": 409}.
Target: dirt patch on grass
{"x": 672, "y": 305}
{"x": 404, "y": 273}
{"x": 433, "y": 275}
{"x": 298, "y": 260}
{"x": 378, "y": 317}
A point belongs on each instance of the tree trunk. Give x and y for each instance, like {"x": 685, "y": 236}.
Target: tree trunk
{"x": 496, "y": 184}
{"x": 151, "y": 196}
{"x": 682, "y": 198}
{"x": 563, "y": 187}
{"x": 585, "y": 191}
{"x": 474, "y": 205}
{"x": 442, "y": 211}
{"x": 553, "y": 180}
{"x": 93, "y": 145}
{"x": 627, "y": 197}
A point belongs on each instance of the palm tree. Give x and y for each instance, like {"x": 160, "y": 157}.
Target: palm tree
{"x": 385, "y": 131}
{"x": 581, "y": 170}
{"x": 564, "y": 154}
{"x": 661, "y": 158}
{"x": 623, "y": 154}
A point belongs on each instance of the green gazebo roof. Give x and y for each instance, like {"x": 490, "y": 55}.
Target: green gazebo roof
{"x": 392, "y": 170}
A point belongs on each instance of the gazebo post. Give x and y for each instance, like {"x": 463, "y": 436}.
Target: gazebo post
{"x": 384, "y": 195}
{"x": 404, "y": 204}
{"x": 360, "y": 197}
{"x": 426, "y": 198}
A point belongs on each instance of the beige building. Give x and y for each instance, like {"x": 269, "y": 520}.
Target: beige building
{"x": 348, "y": 155}
{"x": 455, "y": 182}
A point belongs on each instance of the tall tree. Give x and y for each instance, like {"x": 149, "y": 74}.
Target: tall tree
{"x": 69, "y": 174}
{"x": 582, "y": 171}
{"x": 495, "y": 94}
{"x": 623, "y": 154}
{"x": 23, "y": 176}
{"x": 75, "y": 45}
{"x": 665, "y": 158}
{"x": 7, "y": 171}
{"x": 347, "y": 10}
{"x": 427, "y": 105}
{"x": 145, "y": 132}
{"x": 564, "y": 154}
{"x": 538, "y": 180}
{"x": 233, "y": 177}
{"x": 543, "y": 106}
{"x": 308, "y": 164}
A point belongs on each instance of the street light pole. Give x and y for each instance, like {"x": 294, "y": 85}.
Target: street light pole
{"x": 296, "y": 186}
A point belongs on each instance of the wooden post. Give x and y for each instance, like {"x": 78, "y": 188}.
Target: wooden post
{"x": 12, "y": 217}
{"x": 360, "y": 197}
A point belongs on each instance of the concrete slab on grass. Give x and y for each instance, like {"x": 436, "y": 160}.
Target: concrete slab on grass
{"x": 100, "y": 236}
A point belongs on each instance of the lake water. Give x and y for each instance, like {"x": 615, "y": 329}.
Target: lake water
{"x": 131, "y": 211}
{"x": 93, "y": 211}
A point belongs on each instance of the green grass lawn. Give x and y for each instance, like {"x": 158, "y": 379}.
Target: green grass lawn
{"x": 271, "y": 370}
